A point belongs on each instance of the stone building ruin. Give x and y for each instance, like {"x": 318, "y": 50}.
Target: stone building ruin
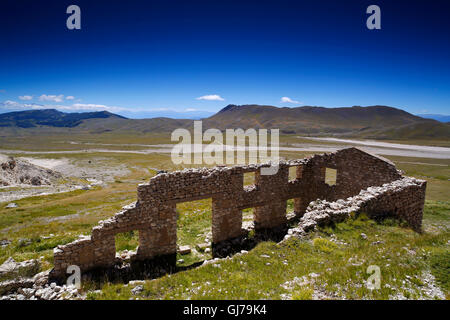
{"x": 364, "y": 182}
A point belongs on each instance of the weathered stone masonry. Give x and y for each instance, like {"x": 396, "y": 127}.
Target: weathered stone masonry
{"x": 154, "y": 214}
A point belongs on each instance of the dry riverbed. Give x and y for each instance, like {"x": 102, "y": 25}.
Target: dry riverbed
{"x": 316, "y": 145}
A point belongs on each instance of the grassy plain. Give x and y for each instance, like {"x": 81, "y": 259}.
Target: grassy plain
{"x": 331, "y": 263}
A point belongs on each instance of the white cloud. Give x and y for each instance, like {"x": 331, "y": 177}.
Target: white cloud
{"x": 25, "y": 97}
{"x": 70, "y": 98}
{"x": 154, "y": 109}
{"x": 52, "y": 97}
{"x": 190, "y": 110}
{"x": 211, "y": 97}
{"x": 9, "y": 104}
{"x": 288, "y": 100}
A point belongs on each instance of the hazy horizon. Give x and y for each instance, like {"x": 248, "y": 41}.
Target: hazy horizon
{"x": 198, "y": 114}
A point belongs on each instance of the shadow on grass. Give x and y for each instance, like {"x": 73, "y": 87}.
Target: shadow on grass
{"x": 123, "y": 272}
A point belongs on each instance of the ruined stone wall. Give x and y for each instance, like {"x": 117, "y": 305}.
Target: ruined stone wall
{"x": 154, "y": 214}
{"x": 403, "y": 198}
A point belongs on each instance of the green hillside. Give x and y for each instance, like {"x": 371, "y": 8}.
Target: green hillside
{"x": 375, "y": 122}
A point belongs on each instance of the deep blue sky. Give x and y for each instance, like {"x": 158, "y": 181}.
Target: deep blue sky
{"x": 152, "y": 56}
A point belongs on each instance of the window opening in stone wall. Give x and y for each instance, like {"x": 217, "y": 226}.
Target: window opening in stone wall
{"x": 290, "y": 208}
{"x": 249, "y": 179}
{"x": 330, "y": 176}
{"x": 194, "y": 231}
{"x": 126, "y": 243}
{"x": 293, "y": 173}
{"x": 248, "y": 217}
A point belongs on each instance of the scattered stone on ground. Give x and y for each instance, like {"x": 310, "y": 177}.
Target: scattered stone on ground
{"x": 308, "y": 281}
{"x": 203, "y": 246}
{"x": 35, "y": 288}
{"x": 23, "y": 242}
{"x": 4, "y": 243}
{"x": 429, "y": 289}
{"x": 137, "y": 290}
{"x": 184, "y": 250}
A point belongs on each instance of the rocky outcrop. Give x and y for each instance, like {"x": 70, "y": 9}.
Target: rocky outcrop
{"x": 12, "y": 269}
{"x": 20, "y": 172}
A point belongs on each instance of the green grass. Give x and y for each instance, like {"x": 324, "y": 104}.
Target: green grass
{"x": 440, "y": 267}
{"x": 127, "y": 241}
{"x": 194, "y": 222}
{"x": 336, "y": 254}
{"x": 303, "y": 293}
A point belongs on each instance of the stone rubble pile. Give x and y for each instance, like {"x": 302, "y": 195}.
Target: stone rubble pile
{"x": 24, "y": 283}
{"x": 11, "y": 269}
{"x": 26, "y": 289}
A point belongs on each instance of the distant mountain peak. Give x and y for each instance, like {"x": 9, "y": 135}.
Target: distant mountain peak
{"x": 229, "y": 108}
{"x": 368, "y": 121}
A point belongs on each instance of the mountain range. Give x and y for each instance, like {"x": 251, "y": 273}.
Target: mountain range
{"x": 376, "y": 122}
{"x": 50, "y": 117}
